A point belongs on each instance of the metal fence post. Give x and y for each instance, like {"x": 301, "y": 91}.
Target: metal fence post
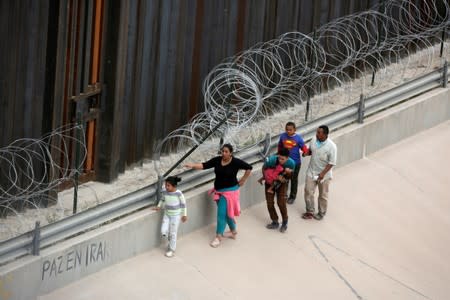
{"x": 361, "y": 108}
{"x": 36, "y": 239}
{"x": 442, "y": 42}
{"x": 77, "y": 162}
{"x": 220, "y": 145}
{"x": 266, "y": 145}
{"x": 309, "y": 90}
{"x": 307, "y": 108}
{"x": 373, "y": 77}
{"x": 159, "y": 189}
{"x": 382, "y": 10}
{"x": 445, "y": 75}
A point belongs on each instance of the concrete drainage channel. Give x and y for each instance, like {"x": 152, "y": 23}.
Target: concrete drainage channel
{"x": 32, "y": 242}
{"x": 67, "y": 250}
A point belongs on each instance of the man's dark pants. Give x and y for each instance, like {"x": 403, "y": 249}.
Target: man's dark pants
{"x": 294, "y": 182}
{"x": 281, "y": 202}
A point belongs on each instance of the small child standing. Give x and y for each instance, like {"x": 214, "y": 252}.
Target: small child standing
{"x": 174, "y": 205}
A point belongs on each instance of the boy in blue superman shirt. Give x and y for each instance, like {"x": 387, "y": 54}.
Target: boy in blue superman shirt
{"x": 294, "y": 143}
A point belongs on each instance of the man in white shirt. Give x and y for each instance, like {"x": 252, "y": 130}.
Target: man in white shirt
{"x": 323, "y": 157}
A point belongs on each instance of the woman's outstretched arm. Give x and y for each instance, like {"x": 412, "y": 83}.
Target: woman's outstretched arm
{"x": 196, "y": 166}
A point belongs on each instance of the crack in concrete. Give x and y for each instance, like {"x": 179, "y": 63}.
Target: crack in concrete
{"x": 313, "y": 239}
{"x": 197, "y": 269}
{"x": 405, "y": 178}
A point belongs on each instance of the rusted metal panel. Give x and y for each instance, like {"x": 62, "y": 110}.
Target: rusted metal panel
{"x": 195, "y": 74}
{"x": 23, "y": 78}
{"x": 126, "y": 51}
{"x": 108, "y": 156}
{"x": 306, "y": 17}
{"x": 88, "y": 38}
{"x": 22, "y": 60}
{"x": 285, "y": 16}
{"x": 97, "y": 39}
{"x": 150, "y": 57}
{"x": 78, "y": 48}
{"x": 183, "y": 23}
{"x": 270, "y": 20}
{"x": 61, "y": 36}
{"x": 172, "y": 45}
{"x": 186, "y": 77}
{"x": 241, "y": 17}
{"x": 142, "y": 51}
{"x": 51, "y": 64}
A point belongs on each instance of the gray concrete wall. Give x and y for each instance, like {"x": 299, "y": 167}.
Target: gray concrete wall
{"x": 66, "y": 262}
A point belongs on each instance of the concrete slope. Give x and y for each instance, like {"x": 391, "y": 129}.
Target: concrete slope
{"x": 386, "y": 236}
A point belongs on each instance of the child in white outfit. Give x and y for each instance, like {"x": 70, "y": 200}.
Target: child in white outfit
{"x": 174, "y": 205}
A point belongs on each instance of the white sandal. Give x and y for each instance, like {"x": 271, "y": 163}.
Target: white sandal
{"x": 215, "y": 243}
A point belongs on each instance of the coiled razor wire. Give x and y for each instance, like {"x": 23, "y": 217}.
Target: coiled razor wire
{"x": 296, "y": 77}
{"x": 32, "y": 169}
{"x": 360, "y": 53}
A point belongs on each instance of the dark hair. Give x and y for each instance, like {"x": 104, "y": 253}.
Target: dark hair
{"x": 283, "y": 152}
{"x": 291, "y": 124}
{"x": 227, "y": 146}
{"x": 325, "y": 129}
{"x": 173, "y": 180}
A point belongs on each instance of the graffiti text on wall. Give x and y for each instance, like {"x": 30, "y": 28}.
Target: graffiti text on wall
{"x": 92, "y": 253}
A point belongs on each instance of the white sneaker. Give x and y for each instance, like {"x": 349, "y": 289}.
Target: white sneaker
{"x": 170, "y": 253}
{"x": 215, "y": 243}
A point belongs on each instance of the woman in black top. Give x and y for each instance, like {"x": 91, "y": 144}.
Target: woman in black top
{"x": 226, "y": 186}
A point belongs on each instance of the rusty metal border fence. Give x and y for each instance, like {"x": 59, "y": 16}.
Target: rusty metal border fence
{"x": 41, "y": 237}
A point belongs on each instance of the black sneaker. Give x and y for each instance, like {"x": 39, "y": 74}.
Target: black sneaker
{"x": 290, "y": 200}
{"x": 319, "y": 216}
{"x": 283, "y": 228}
{"x": 273, "y": 225}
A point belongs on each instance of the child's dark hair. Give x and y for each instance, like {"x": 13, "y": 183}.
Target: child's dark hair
{"x": 283, "y": 152}
{"x": 290, "y": 123}
{"x": 173, "y": 180}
